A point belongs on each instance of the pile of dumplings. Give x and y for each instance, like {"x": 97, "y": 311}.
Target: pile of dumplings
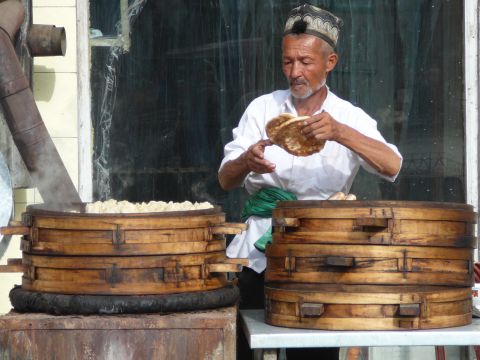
{"x": 125, "y": 207}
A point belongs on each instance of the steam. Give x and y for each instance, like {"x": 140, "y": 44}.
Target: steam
{"x": 50, "y": 175}
{"x": 101, "y": 163}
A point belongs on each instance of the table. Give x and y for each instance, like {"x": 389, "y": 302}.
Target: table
{"x": 266, "y": 340}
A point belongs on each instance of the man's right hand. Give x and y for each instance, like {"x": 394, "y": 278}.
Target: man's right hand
{"x": 255, "y": 159}
{"x": 234, "y": 172}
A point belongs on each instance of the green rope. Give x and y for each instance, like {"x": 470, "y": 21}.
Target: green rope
{"x": 262, "y": 204}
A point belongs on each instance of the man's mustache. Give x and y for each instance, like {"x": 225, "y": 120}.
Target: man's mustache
{"x": 298, "y": 82}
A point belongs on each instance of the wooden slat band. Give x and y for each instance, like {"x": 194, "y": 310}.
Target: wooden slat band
{"x": 78, "y": 222}
{"x": 13, "y": 265}
{"x": 15, "y": 230}
{"x": 398, "y": 226}
{"x": 356, "y": 238}
{"x": 386, "y": 212}
{"x": 368, "y": 251}
{"x": 127, "y": 275}
{"x": 228, "y": 228}
{"x": 11, "y": 268}
{"x": 339, "y": 237}
{"x": 124, "y": 262}
{"x": 122, "y": 288}
{"x": 94, "y": 237}
{"x": 110, "y": 249}
{"x": 366, "y": 294}
{"x": 366, "y": 323}
{"x": 465, "y": 241}
{"x": 372, "y": 265}
{"x": 371, "y": 277}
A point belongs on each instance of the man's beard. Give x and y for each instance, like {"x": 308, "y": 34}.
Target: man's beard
{"x": 309, "y": 91}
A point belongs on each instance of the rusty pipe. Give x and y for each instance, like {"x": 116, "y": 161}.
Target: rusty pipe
{"x": 23, "y": 118}
{"x": 11, "y": 23}
{"x": 46, "y": 40}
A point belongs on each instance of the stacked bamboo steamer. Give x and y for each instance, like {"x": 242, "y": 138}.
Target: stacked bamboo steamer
{"x": 68, "y": 251}
{"x": 379, "y": 265}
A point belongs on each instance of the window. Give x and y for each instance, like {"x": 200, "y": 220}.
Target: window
{"x": 164, "y": 106}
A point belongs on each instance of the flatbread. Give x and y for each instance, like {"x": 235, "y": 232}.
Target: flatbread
{"x": 284, "y": 131}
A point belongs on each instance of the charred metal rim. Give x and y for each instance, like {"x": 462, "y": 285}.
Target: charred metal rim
{"x": 62, "y": 304}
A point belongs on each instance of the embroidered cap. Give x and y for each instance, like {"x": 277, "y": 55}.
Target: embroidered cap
{"x": 312, "y": 20}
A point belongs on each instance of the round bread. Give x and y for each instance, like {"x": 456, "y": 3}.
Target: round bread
{"x": 285, "y": 131}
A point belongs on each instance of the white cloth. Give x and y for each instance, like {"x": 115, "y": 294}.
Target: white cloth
{"x": 314, "y": 177}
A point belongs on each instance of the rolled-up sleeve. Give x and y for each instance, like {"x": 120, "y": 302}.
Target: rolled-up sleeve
{"x": 368, "y": 127}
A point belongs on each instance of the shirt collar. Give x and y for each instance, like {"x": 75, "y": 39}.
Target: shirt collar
{"x": 288, "y": 107}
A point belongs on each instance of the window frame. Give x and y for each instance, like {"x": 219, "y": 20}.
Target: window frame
{"x": 471, "y": 101}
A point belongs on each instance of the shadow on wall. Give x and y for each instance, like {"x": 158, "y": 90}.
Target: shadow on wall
{"x": 43, "y": 86}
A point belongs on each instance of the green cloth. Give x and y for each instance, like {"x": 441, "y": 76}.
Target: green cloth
{"x": 262, "y": 204}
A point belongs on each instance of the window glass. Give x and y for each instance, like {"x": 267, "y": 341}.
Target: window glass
{"x": 164, "y": 108}
{"x": 104, "y": 18}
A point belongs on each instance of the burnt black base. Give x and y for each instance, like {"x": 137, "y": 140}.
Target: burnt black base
{"x": 62, "y": 304}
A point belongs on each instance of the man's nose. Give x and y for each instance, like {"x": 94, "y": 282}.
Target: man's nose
{"x": 295, "y": 70}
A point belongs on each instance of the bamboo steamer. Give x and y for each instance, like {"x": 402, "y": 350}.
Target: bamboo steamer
{"x": 68, "y": 251}
{"x": 48, "y": 230}
{"x": 365, "y": 307}
{"x": 375, "y": 222}
{"x": 126, "y": 275}
{"x": 369, "y": 264}
{"x": 378, "y": 242}
{"x": 374, "y": 265}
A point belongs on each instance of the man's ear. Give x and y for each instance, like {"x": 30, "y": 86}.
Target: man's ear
{"x": 332, "y": 60}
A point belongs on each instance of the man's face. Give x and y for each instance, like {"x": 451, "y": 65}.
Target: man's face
{"x": 306, "y": 64}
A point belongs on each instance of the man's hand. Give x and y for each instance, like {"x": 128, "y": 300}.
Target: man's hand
{"x": 255, "y": 159}
{"x": 234, "y": 172}
{"x": 323, "y": 127}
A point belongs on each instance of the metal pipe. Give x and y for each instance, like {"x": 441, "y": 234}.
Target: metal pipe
{"x": 47, "y": 40}
{"x": 23, "y": 118}
{"x": 12, "y": 14}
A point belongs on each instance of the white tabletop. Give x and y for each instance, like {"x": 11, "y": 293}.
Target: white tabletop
{"x": 263, "y": 336}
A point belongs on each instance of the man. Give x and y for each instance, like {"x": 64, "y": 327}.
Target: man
{"x": 252, "y": 161}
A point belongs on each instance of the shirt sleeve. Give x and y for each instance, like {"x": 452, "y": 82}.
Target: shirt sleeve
{"x": 368, "y": 127}
{"x": 248, "y": 132}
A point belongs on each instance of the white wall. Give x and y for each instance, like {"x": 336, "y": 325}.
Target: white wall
{"x": 55, "y": 90}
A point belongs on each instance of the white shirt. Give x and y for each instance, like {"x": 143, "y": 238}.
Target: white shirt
{"x": 314, "y": 177}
